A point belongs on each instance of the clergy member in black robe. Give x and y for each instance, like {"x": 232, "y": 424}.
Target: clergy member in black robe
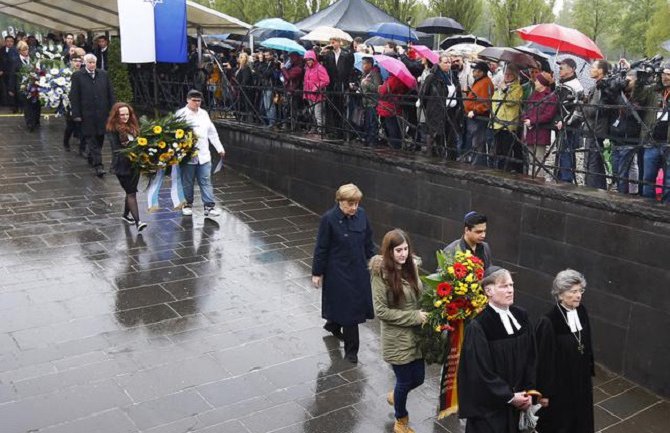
{"x": 565, "y": 361}
{"x": 497, "y": 364}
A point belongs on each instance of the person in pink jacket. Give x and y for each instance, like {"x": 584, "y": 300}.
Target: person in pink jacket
{"x": 315, "y": 82}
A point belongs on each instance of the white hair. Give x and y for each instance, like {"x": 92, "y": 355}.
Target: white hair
{"x": 566, "y": 280}
{"x": 90, "y": 57}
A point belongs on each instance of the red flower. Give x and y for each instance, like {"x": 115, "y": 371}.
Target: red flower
{"x": 447, "y": 327}
{"x": 444, "y": 290}
{"x": 479, "y": 273}
{"x": 476, "y": 260}
{"x": 452, "y": 309}
{"x": 460, "y": 271}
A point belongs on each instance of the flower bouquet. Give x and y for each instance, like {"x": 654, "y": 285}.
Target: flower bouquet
{"x": 54, "y": 90}
{"x": 162, "y": 142}
{"x": 47, "y": 80}
{"x": 452, "y": 296}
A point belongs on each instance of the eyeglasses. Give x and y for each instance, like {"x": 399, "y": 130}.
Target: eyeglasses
{"x": 575, "y": 291}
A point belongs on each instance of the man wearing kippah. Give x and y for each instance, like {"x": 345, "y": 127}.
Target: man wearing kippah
{"x": 474, "y": 234}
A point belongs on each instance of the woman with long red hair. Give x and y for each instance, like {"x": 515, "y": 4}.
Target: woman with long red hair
{"x": 122, "y": 128}
{"x": 396, "y": 291}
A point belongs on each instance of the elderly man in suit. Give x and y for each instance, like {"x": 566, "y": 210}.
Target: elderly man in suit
{"x": 92, "y": 98}
{"x": 339, "y": 64}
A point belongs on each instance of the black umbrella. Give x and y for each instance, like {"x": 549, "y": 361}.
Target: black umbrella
{"x": 509, "y": 55}
{"x": 538, "y": 55}
{"x": 440, "y": 26}
{"x": 465, "y": 39}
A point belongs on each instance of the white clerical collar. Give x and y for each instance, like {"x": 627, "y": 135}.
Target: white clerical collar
{"x": 573, "y": 319}
{"x": 507, "y": 319}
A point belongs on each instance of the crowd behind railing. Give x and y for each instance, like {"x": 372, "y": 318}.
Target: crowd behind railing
{"x": 611, "y": 136}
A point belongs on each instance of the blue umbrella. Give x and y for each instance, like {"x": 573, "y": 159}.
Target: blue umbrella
{"x": 283, "y": 44}
{"x": 394, "y": 31}
{"x": 358, "y": 64}
{"x": 276, "y": 24}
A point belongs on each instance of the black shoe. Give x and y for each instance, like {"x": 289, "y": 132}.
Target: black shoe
{"x": 335, "y": 330}
{"x": 128, "y": 218}
{"x": 351, "y": 357}
{"x": 99, "y": 171}
{"x": 141, "y": 226}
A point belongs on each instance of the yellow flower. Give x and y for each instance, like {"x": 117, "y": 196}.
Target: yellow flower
{"x": 165, "y": 157}
{"x": 174, "y": 161}
{"x": 162, "y": 144}
{"x": 438, "y": 328}
{"x": 144, "y": 158}
{"x": 157, "y": 129}
{"x": 132, "y": 156}
{"x": 142, "y": 141}
{"x": 437, "y": 304}
{"x": 450, "y": 270}
{"x": 474, "y": 286}
{"x": 470, "y": 278}
{"x": 179, "y": 133}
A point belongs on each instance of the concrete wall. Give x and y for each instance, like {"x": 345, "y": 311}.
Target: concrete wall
{"x": 622, "y": 245}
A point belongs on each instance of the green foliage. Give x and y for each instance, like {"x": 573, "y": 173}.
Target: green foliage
{"x": 401, "y": 10}
{"x": 594, "y": 17}
{"x": 467, "y": 13}
{"x": 118, "y": 73}
{"x": 509, "y": 15}
{"x": 658, "y": 30}
{"x": 254, "y": 11}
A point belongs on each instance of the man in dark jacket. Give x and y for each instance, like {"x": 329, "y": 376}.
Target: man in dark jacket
{"x": 92, "y": 97}
{"x": 100, "y": 52}
{"x": 340, "y": 67}
{"x": 9, "y": 63}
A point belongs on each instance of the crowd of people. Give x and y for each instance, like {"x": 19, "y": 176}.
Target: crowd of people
{"x": 522, "y": 120}
{"x": 507, "y": 363}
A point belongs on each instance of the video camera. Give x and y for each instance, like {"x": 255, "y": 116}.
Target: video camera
{"x": 648, "y": 73}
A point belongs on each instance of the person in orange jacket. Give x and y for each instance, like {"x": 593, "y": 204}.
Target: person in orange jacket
{"x": 477, "y": 106}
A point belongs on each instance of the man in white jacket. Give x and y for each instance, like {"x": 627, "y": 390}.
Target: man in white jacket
{"x": 200, "y": 166}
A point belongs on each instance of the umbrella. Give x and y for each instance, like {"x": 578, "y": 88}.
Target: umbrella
{"x": 325, "y": 34}
{"x": 261, "y": 34}
{"x": 464, "y": 39}
{"x": 427, "y": 53}
{"x": 465, "y": 50}
{"x": 563, "y": 39}
{"x": 538, "y": 55}
{"x": 276, "y": 24}
{"x": 397, "y": 68}
{"x": 283, "y": 44}
{"x": 509, "y": 55}
{"x": 440, "y": 25}
{"x": 358, "y": 64}
{"x": 393, "y": 31}
{"x": 378, "y": 41}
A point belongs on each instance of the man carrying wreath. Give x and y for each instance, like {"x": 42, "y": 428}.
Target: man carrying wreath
{"x": 474, "y": 234}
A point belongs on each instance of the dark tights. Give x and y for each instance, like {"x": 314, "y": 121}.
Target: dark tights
{"x": 131, "y": 207}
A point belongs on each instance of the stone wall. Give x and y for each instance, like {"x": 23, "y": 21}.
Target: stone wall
{"x": 621, "y": 244}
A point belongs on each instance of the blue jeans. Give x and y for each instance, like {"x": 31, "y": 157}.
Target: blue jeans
{"x": 566, "y": 156}
{"x": 203, "y": 173}
{"x": 268, "y": 108}
{"x": 622, "y": 157}
{"x": 392, "y": 129}
{"x": 476, "y": 141}
{"x": 655, "y": 158}
{"x": 408, "y": 377}
{"x": 371, "y": 126}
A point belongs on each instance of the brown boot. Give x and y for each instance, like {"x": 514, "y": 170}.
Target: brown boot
{"x": 401, "y": 426}
{"x": 389, "y": 398}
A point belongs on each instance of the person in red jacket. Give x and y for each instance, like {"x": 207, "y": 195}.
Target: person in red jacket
{"x": 477, "y": 106}
{"x": 542, "y": 108}
{"x": 293, "y": 73}
{"x": 389, "y": 109}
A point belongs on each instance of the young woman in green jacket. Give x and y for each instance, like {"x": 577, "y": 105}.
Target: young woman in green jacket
{"x": 396, "y": 290}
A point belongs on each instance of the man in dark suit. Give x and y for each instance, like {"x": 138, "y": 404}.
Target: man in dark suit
{"x": 340, "y": 67}
{"x": 92, "y": 98}
{"x": 9, "y": 60}
{"x": 100, "y": 52}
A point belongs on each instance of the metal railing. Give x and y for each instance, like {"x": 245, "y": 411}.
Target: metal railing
{"x": 575, "y": 154}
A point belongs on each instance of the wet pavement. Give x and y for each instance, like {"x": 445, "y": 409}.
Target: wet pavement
{"x": 196, "y": 325}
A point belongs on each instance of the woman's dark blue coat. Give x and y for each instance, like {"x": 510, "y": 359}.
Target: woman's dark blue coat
{"x": 343, "y": 248}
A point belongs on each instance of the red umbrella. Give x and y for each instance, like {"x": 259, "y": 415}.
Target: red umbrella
{"x": 397, "y": 68}
{"x": 563, "y": 39}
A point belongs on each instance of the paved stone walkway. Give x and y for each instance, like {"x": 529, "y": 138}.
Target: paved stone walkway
{"x": 195, "y": 326}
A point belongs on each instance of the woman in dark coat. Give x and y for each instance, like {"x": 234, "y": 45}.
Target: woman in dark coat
{"x": 538, "y": 118}
{"x": 122, "y": 127}
{"x": 245, "y": 80}
{"x": 565, "y": 360}
{"x": 29, "y": 103}
{"x": 340, "y": 264}
{"x": 439, "y": 94}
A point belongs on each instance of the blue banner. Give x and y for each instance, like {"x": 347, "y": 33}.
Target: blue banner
{"x": 170, "y": 30}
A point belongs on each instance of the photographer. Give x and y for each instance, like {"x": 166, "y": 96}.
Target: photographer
{"x": 657, "y": 147}
{"x": 597, "y": 120}
{"x": 267, "y": 79}
{"x": 627, "y": 127}
{"x": 569, "y": 91}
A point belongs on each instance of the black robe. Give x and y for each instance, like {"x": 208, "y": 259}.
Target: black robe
{"x": 492, "y": 368}
{"x": 564, "y": 374}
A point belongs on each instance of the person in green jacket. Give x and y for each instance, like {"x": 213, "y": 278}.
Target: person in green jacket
{"x": 396, "y": 290}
